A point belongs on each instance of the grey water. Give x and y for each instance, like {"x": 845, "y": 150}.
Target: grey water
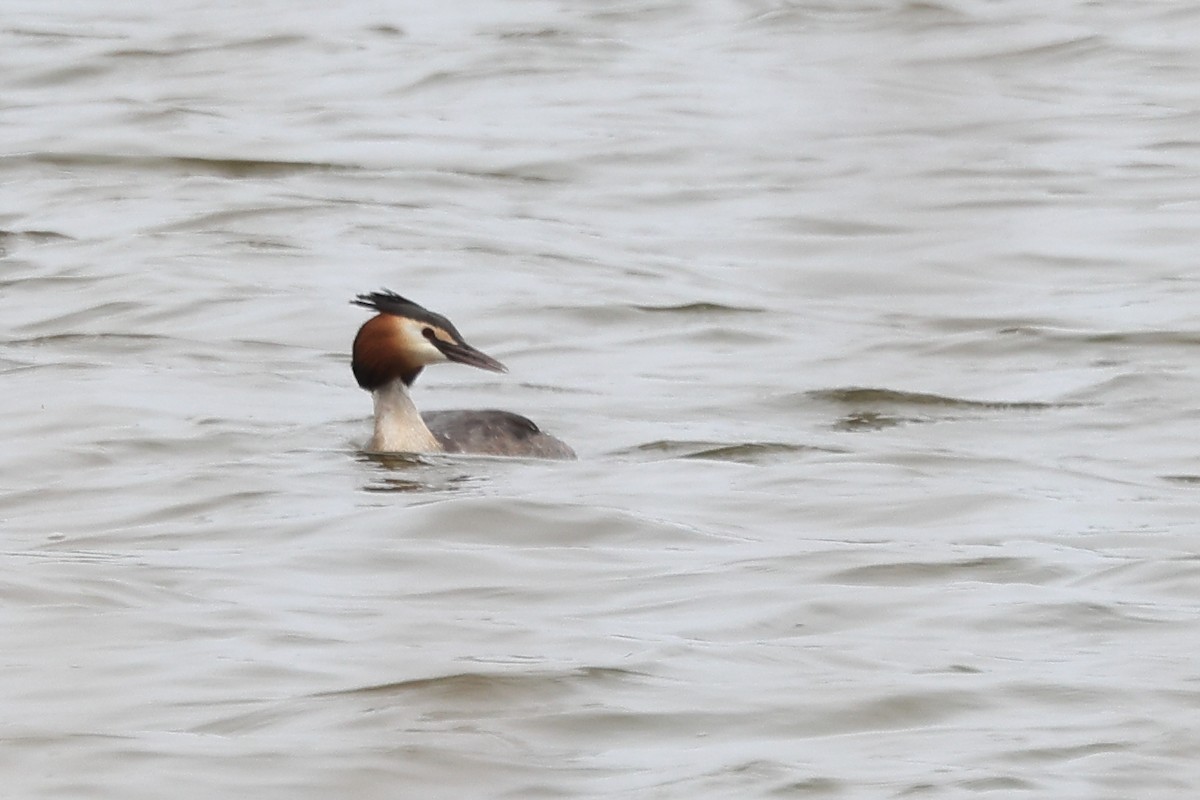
{"x": 874, "y": 324}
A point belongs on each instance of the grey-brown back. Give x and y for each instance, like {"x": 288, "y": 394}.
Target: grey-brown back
{"x": 494, "y": 433}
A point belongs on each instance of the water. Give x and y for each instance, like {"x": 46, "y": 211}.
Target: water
{"x": 873, "y": 324}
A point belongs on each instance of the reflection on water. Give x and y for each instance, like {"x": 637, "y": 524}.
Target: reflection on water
{"x": 403, "y": 472}
{"x": 873, "y": 325}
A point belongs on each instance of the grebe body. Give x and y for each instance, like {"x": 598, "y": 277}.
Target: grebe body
{"x": 390, "y": 351}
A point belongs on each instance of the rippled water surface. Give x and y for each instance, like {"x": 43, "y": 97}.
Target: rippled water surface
{"x": 874, "y": 325}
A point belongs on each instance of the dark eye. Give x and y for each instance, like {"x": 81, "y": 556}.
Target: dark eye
{"x": 428, "y": 334}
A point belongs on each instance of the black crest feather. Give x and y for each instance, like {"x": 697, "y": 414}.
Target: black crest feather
{"x": 386, "y": 301}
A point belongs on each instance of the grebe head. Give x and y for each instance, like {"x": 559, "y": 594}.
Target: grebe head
{"x": 403, "y": 339}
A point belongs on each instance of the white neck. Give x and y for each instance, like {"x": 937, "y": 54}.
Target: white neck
{"x": 398, "y": 425}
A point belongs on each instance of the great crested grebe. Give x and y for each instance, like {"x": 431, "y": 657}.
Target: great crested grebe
{"x": 390, "y": 351}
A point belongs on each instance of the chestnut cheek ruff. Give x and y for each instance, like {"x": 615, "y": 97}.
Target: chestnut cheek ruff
{"x": 377, "y": 360}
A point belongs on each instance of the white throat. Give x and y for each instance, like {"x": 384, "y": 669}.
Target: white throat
{"x": 398, "y": 425}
